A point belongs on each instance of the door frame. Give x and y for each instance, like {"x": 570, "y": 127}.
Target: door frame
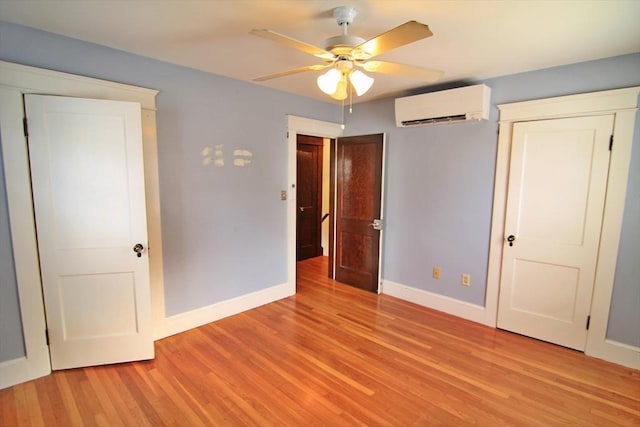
{"x": 303, "y": 126}
{"x": 566, "y": 260}
{"x": 16, "y": 80}
{"x": 623, "y": 104}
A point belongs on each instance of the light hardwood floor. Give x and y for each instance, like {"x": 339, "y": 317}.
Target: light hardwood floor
{"x": 334, "y": 355}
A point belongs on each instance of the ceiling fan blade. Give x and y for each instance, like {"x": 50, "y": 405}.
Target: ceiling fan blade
{"x": 384, "y": 67}
{"x": 296, "y": 44}
{"x": 406, "y": 33}
{"x": 293, "y": 71}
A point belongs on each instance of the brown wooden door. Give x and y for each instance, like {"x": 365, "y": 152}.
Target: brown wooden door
{"x": 309, "y": 197}
{"x": 358, "y": 204}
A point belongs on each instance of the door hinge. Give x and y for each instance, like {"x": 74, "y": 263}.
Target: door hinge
{"x": 610, "y": 142}
{"x": 287, "y": 134}
{"x": 46, "y": 335}
{"x": 25, "y": 127}
{"x": 588, "y": 322}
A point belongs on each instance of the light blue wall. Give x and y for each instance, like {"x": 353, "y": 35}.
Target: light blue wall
{"x": 439, "y": 190}
{"x": 11, "y": 341}
{"x": 438, "y": 197}
{"x": 224, "y": 229}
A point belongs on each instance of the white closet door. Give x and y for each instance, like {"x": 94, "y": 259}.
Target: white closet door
{"x": 557, "y": 183}
{"x": 88, "y": 190}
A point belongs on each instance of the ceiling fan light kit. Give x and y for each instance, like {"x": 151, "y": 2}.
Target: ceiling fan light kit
{"x": 360, "y": 82}
{"x": 344, "y": 52}
{"x": 334, "y": 82}
{"x": 328, "y": 82}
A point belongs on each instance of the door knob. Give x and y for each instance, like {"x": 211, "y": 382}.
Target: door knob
{"x": 138, "y": 249}
{"x": 510, "y": 239}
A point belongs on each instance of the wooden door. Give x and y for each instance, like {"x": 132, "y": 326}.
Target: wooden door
{"x": 358, "y": 207}
{"x": 557, "y": 182}
{"x": 309, "y": 197}
{"x": 89, "y": 202}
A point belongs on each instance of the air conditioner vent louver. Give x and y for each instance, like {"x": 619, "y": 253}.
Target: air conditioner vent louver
{"x": 447, "y": 106}
{"x": 434, "y": 120}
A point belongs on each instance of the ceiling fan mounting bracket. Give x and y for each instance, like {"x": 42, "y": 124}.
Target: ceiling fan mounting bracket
{"x": 344, "y": 15}
{"x": 342, "y": 45}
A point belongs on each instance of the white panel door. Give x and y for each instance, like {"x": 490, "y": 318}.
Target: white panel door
{"x": 88, "y": 191}
{"x": 557, "y": 182}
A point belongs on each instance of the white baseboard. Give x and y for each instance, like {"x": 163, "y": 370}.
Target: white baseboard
{"x": 201, "y": 316}
{"x": 611, "y": 351}
{"x": 615, "y": 352}
{"x": 473, "y": 312}
{"x": 23, "y": 369}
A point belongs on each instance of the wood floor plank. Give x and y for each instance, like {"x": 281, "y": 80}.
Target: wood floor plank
{"x": 68, "y": 398}
{"x": 337, "y": 355}
{"x": 111, "y": 414}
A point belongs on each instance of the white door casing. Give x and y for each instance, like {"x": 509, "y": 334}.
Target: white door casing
{"x": 16, "y": 80}
{"x": 623, "y": 104}
{"x": 35, "y": 362}
{"x": 557, "y": 185}
{"x": 304, "y": 126}
{"x": 89, "y": 201}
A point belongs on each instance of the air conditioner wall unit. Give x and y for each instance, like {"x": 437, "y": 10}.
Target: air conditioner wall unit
{"x": 446, "y": 106}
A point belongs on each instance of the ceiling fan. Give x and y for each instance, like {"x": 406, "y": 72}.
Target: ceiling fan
{"x": 345, "y": 54}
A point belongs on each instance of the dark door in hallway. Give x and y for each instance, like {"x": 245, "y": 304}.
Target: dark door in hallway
{"x": 309, "y": 197}
{"x": 358, "y": 209}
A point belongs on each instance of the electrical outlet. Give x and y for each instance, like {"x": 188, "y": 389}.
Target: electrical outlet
{"x": 466, "y": 279}
{"x": 436, "y": 272}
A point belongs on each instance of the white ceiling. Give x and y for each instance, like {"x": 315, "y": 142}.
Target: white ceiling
{"x": 473, "y": 39}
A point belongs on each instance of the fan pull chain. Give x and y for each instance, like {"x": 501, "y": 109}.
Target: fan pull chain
{"x": 350, "y": 98}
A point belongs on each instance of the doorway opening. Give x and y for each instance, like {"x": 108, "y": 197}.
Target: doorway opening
{"x": 310, "y": 127}
{"x": 355, "y": 217}
{"x": 312, "y": 197}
